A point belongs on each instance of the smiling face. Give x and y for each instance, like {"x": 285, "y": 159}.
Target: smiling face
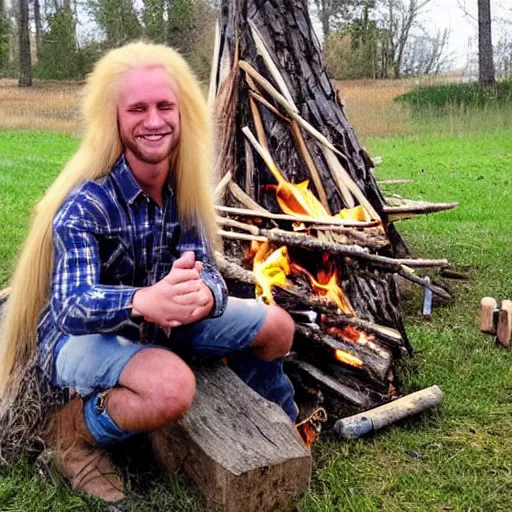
{"x": 148, "y": 118}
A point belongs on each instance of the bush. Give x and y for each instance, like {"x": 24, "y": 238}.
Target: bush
{"x": 462, "y": 96}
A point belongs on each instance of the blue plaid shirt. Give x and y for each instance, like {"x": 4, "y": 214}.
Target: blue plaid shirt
{"x": 110, "y": 240}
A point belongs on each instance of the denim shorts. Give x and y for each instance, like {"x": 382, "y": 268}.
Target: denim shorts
{"x": 94, "y": 362}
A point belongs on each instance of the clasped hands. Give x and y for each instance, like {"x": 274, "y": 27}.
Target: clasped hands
{"x": 180, "y": 298}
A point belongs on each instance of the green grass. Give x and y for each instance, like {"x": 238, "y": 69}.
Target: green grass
{"x": 457, "y": 457}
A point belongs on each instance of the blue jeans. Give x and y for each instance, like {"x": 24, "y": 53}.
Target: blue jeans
{"x": 93, "y": 363}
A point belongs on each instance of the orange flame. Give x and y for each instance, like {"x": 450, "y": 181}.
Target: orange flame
{"x": 328, "y": 288}
{"x": 297, "y": 199}
{"x": 348, "y": 358}
{"x": 354, "y": 335}
{"x": 270, "y": 269}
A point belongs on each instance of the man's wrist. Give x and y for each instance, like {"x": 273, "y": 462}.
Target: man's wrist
{"x": 135, "y": 311}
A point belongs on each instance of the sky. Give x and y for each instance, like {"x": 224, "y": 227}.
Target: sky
{"x": 460, "y": 17}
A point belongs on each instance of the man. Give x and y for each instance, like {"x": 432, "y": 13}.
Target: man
{"x": 124, "y": 240}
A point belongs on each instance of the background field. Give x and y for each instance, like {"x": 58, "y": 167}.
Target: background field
{"x": 455, "y": 458}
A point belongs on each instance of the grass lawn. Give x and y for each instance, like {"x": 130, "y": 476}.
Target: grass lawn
{"x": 457, "y": 457}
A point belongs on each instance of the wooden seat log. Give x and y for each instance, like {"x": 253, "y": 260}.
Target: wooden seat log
{"x": 241, "y": 451}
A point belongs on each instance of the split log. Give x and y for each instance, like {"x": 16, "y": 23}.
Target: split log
{"x": 240, "y": 450}
{"x": 361, "y": 424}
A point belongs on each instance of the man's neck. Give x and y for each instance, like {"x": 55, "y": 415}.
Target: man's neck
{"x": 151, "y": 177}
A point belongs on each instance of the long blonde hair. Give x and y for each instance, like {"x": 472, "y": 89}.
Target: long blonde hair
{"x": 99, "y": 150}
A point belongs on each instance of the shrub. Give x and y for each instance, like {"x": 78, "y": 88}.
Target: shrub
{"x": 463, "y": 96}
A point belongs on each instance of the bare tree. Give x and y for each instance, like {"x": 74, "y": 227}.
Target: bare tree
{"x": 486, "y": 75}
{"x": 426, "y": 54}
{"x": 400, "y": 16}
{"x": 25, "y": 71}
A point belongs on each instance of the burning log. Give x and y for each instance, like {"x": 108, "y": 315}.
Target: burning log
{"x": 375, "y": 419}
{"x": 370, "y": 359}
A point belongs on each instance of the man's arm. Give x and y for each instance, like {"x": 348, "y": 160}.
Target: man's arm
{"x": 80, "y": 304}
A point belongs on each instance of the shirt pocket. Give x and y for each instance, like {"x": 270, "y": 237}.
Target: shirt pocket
{"x": 118, "y": 266}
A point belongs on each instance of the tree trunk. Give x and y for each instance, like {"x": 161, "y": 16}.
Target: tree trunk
{"x": 25, "y": 71}
{"x": 37, "y": 22}
{"x": 485, "y": 51}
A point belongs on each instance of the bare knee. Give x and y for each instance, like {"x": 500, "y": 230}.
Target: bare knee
{"x": 163, "y": 382}
{"x": 275, "y": 338}
{"x": 175, "y": 394}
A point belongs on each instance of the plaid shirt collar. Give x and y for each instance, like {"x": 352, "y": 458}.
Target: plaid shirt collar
{"x": 126, "y": 182}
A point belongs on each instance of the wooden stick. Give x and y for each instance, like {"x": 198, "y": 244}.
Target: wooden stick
{"x": 394, "y": 182}
{"x": 226, "y": 221}
{"x": 408, "y": 210}
{"x": 230, "y": 235}
{"x": 249, "y": 169}
{"x": 212, "y": 90}
{"x": 368, "y": 421}
{"x": 296, "y": 218}
{"x": 422, "y": 263}
{"x": 260, "y": 99}
{"x": 313, "y": 171}
{"x": 258, "y": 123}
{"x": 265, "y": 84}
{"x": 334, "y": 164}
{"x": 232, "y": 270}
{"x": 388, "y": 333}
{"x": 221, "y": 187}
{"x": 247, "y": 201}
{"x": 422, "y": 282}
{"x": 262, "y": 49}
{"x": 265, "y": 155}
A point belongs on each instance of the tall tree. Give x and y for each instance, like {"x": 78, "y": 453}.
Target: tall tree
{"x": 4, "y": 37}
{"x": 118, "y": 19}
{"x": 486, "y": 75}
{"x": 332, "y": 13}
{"x": 25, "y": 71}
{"x": 38, "y": 24}
{"x": 58, "y": 56}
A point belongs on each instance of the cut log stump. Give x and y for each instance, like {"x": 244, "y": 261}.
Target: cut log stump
{"x": 240, "y": 450}
{"x": 504, "y": 330}
{"x": 488, "y": 316}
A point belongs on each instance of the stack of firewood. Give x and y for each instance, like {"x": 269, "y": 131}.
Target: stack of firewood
{"x": 303, "y": 221}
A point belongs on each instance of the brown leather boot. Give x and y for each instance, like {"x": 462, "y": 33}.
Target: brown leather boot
{"x": 77, "y": 455}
